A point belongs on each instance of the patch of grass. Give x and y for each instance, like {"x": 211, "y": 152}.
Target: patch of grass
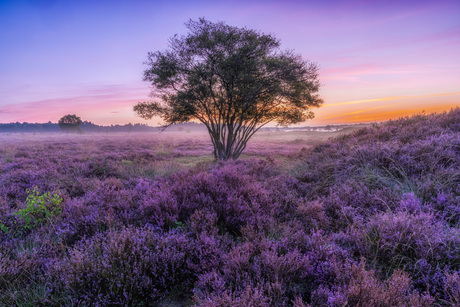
{"x": 162, "y": 150}
{"x": 192, "y": 161}
{"x": 36, "y": 294}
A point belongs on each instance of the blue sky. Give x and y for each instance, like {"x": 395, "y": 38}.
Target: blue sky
{"x": 378, "y": 59}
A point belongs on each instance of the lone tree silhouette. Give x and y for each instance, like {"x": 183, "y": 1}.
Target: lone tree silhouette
{"x": 70, "y": 123}
{"x": 233, "y": 80}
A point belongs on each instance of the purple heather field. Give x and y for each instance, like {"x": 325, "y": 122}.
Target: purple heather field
{"x": 361, "y": 217}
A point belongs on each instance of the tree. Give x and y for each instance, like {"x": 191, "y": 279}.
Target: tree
{"x": 233, "y": 80}
{"x": 70, "y": 123}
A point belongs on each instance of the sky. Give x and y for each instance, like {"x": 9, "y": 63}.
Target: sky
{"x": 378, "y": 60}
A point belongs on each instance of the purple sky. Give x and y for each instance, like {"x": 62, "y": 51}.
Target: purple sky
{"x": 378, "y": 59}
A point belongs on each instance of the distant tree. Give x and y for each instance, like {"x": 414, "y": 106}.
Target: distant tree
{"x": 70, "y": 123}
{"x": 233, "y": 80}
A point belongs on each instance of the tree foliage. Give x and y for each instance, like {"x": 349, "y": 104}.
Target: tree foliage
{"x": 70, "y": 122}
{"x": 233, "y": 80}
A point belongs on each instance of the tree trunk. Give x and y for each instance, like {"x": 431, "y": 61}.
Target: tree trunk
{"x": 229, "y": 148}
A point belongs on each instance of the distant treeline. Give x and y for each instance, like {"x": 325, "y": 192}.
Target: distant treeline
{"x": 85, "y": 127}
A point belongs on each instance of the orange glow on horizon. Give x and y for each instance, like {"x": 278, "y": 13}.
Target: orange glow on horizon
{"x": 389, "y": 98}
{"x": 384, "y": 108}
{"x": 369, "y": 117}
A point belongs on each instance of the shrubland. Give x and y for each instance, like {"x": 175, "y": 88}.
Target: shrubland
{"x": 370, "y": 218}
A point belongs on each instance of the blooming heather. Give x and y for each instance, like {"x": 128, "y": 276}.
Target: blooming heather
{"x": 371, "y": 218}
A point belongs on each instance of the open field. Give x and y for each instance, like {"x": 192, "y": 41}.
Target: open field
{"x": 152, "y": 151}
{"x": 366, "y": 217}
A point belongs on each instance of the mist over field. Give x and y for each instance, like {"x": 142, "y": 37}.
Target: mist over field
{"x": 355, "y": 217}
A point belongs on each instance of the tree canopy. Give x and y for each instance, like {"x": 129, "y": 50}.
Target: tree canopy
{"x": 70, "y": 123}
{"x": 233, "y": 80}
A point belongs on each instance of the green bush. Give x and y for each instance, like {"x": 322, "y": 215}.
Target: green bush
{"x": 4, "y": 228}
{"x": 40, "y": 209}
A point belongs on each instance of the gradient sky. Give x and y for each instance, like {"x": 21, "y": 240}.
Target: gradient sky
{"x": 379, "y": 59}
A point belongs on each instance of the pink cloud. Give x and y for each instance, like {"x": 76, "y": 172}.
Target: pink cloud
{"x": 91, "y": 103}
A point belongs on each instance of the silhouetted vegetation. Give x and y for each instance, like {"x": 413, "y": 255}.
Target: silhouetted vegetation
{"x": 85, "y": 127}
{"x": 70, "y": 123}
{"x": 233, "y": 80}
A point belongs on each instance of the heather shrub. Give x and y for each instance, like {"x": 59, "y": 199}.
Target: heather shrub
{"x": 446, "y": 202}
{"x": 353, "y": 201}
{"x": 284, "y": 196}
{"x": 158, "y": 205}
{"x": 286, "y": 228}
{"x": 133, "y": 266}
{"x": 320, "y": 170}
{"x": 452, "y": 289}
{"x": 14, "y": 184}
{"x": 203, "y": 222}
{"x": 249, "y": 297}
{"x": 397, "y": 239}
{"x": 259, "y": 168}
{"x": 22, "y": 267}
{"x": 230, "y": 191}
{"x": 364, "y": 288}
{"x": 411, "y": 204}
{"x": 326, "y": 258}
{"x": 275, "y": 272}
{"x": 399, "y": 157}
{"x": 395, "y": 188}
{"x": 310, "y": 216}
{"x": 101, "y": 169}
{"x": 417, "y": 243}
{"x": 16, "y": 269}
{"x": 447, "y": 205}
{"x": 81, "y": 221}
{"x": 428, "y": 276}
{"x": 278, "y": 276}
{"x": 77, "y": 186}
{"x": 119, "y": 203}
{"x": 206, "y": 253}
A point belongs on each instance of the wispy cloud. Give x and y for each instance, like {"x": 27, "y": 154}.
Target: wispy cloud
{"x": 362, "y": 111}
{"x": 87, "y": 102}
{"x": 388, "y": 98}
{"x": 367, "y": 69}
